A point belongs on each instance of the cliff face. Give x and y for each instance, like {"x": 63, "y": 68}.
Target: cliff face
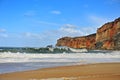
{"x": 90, "y": 41}
{"x": 107, "y": 37}
{"x": 117, "y": 42}
{"x": 78, "y": 42}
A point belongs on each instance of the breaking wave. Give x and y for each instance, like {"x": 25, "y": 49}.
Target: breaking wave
{"x": 7, "y": 57}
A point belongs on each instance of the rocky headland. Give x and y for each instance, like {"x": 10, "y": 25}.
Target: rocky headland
{"x": 107, "y": 37}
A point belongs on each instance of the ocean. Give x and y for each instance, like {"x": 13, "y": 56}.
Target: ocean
{"x": 12, "y": 62}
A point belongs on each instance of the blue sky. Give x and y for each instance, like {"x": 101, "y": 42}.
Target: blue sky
{"x": 37, "y": 23}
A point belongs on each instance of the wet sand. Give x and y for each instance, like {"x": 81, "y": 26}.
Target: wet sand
{"x": 99, "y": 71}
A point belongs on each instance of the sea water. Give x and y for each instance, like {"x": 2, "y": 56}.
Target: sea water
{"x": 12, "y": 62}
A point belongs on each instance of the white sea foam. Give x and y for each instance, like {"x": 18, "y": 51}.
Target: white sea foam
{"x": 8, "y": 57}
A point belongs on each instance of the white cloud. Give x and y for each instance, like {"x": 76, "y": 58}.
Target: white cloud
{"x": 2, "y": 30}
{"x": 70, "y": 30}
{"x": 55, "y": 12}
{"x": 74, "y": 31}
{"x": 3, "y": 35}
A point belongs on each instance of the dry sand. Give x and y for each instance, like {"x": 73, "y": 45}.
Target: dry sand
{"x": 101, "y": 71}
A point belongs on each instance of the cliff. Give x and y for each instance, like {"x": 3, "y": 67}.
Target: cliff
{"x": 78, "y": 42}
{"x": 106, "y": 37}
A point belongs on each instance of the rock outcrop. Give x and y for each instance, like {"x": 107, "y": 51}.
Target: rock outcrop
{"x": 106, "y": 37}
{"x": 117, "y": 42}
{"x": 87, "y": 42}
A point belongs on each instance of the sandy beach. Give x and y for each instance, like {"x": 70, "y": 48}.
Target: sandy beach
{"x": 99, "y": 71}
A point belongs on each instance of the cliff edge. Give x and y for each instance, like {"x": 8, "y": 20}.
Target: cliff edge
{"x": 106, "y": 37}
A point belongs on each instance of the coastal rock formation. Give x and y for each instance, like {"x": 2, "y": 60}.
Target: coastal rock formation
{"x": 78, "y": 42}
{"x": 117, "y": 42}
{"x": 106, "y": 37}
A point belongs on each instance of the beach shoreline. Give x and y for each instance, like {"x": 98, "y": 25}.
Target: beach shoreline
{"x": 96, "y": 71}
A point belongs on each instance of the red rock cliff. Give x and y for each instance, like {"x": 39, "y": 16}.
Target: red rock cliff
{"x": 78, "y": 42}
{"x": 107, "y": 37}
